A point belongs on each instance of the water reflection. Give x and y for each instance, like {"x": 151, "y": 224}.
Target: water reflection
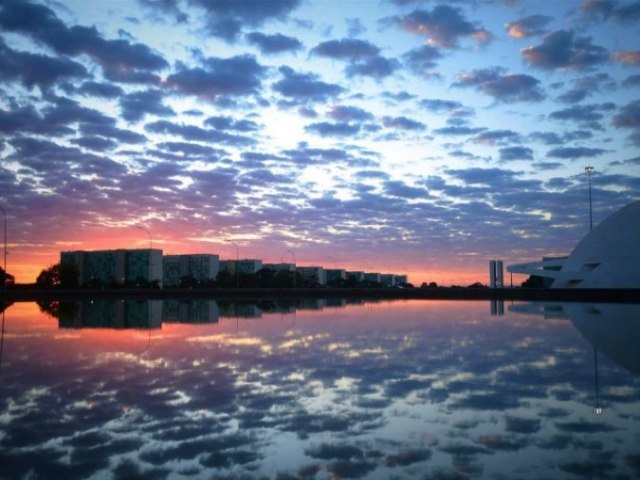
{"x": 392, "y": 390}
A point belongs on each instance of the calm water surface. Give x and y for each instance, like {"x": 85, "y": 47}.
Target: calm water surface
{"x": 416, "y": 389}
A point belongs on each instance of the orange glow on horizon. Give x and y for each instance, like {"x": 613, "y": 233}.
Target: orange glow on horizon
{"x": 26, "y": 263}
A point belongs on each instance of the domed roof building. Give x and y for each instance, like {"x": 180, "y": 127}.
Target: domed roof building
{"x": 608, "y": 257}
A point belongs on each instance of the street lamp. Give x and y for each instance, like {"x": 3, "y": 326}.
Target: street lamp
{"x": 5, "y": 240}
{"x": 144, "y": 229}
{"x": 293, "y": 254}
{"x": 589, "y": 170}
{"x": 237, "y": 262}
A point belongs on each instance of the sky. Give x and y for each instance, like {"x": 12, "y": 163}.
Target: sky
{"x": 414, "y": 137}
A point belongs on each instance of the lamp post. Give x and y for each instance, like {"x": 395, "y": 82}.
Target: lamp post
{"x": 237, "y": 262}
{"x": 293, "y": 254}
{"x": 4, "y": 214}
{"x": 589, "y": 169}
{"x": 144, "y": 229}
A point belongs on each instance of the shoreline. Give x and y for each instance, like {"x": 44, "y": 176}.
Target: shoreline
{"x": 442, "y": 293}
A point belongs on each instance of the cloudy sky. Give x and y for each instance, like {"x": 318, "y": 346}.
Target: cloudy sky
{"x": 417, "y": 137}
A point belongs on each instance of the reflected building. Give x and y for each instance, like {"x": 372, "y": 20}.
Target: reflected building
{"x": 612, "y": 329}
{"x": 119, "y": 314}
{"x": 239, "y": 309}
{"x": 190, "y": 311}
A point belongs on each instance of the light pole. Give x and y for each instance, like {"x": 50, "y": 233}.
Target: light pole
{"x": 293, "y": 254}
{"x": 237, "y": 262}
{"x": 5, "y": 242}
{"x": 144, "y": 229}
{"x": 589, "y": 170}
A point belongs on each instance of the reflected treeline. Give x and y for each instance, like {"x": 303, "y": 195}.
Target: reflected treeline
{"x": 151, "y": 314}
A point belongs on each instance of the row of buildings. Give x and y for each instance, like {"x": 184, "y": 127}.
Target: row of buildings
{"x": 128, "y": 267}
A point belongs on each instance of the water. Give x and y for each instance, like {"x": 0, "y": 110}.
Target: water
{"x": 415, "y": 389}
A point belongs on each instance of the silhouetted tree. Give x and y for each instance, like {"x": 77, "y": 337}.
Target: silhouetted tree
{"x": 6, "y": 278}
{"x": 534, "y": 282}
{"x": 62, "y": 275}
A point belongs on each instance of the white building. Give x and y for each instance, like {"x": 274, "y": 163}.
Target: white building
{"x": 116, "y": 267}
{"x": 608, "y": 257}
{"x": 313, "y": 274}
{"x": 200, "y": 267}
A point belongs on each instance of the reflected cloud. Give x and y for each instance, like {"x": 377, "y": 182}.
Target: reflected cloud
{"x": 434, "y": 389}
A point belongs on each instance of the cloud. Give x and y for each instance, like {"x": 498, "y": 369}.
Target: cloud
{"x": 136, "y": 105}
{"x": 604, "y": 9}
{"x": 234, "y": 76}
{"x": 573, "y": 153}
{"x": 586, "y": 86}
{"x": 443, "y": 26}
{"x": 34, "y": 69}
{"x": 464, "y": 130}
{"x": 632, "y": 81}
{"x": 363, "y": 57}
{"x": 628, "y": 116}
{"x": 229, "y": 123}
{"x": 195, "y": 133}
{"x": 588, "y": 116}
{"x": 516, "y": 153}
{"x": 528, "y": 26}
{"x": 504, "y": 87}
{"x": 272, "y": 44}
{"x": 631, "y": 58}
{"x": 326, "y": 129}
{"x": 110, "y": 131}
{"x": 453, "y": 108}
{"x": 598, "y": 8}
{"x": 226, "y": 18}
{"x": 348, "y": 113}
{"x": 347, "y": 49}
{"x": 422, "y": 60}
{"x": 95, "y": 143}
{"x": 376, "y": 67}
{"x": 41, "y": 23}
{"x": 305, "y": 86}
{"x": 102, "y": 90}
{"x": 562, "y": 49}
{"x": 554, "y": 138}
{"x": 403, "y": 123}
{"x": 491, "y": 137}
{"x": 522, "y": 425}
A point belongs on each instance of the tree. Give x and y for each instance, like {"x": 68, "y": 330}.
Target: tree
{"x": 62, "y": 275}
{"x": 6, "y": 278}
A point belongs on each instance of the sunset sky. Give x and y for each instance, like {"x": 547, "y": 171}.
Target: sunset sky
{"x": 403, "y": 136}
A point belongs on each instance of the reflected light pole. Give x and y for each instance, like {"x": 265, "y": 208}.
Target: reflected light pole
{"x": 589, "y": 169}
{"x": 597, "y": 409}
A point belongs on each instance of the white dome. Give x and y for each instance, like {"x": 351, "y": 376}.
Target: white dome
{"x": 608, "y": 257}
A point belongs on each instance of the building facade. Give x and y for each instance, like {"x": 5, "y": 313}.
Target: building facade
{"x": 116, "y": 267}
{"x": 199, "y": 267}
{"x": 313, "y": 274}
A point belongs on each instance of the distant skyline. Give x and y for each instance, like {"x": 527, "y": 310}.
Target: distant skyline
{"x": 408, "y": 136}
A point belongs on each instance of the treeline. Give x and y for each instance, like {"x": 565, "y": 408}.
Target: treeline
{"x": 65, "y": 276}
